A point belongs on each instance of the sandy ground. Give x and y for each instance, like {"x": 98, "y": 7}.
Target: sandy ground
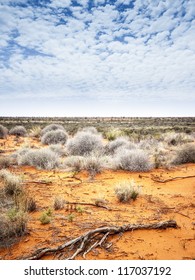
{"x": 172, "y": 200}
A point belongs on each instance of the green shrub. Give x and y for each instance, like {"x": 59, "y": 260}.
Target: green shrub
{"x": 44, "y": 218}
{"x": 54, "y": 137}
{"x": 18, "y": 131}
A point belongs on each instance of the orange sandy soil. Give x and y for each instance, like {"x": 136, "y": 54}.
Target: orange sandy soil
{"x": 173, "y": 200}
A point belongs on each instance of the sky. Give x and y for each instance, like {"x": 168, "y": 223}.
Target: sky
{"x": 97, "y": 58}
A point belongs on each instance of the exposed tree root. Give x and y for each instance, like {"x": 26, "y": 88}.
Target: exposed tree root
{"x": 94, "y": 238}
{"x": 157, "y": 179}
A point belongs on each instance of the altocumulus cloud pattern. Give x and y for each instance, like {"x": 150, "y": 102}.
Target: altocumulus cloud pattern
{"x": 97, "y": 49}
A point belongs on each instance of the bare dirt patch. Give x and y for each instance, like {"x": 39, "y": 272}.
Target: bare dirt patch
{"x": 92, "y": 204}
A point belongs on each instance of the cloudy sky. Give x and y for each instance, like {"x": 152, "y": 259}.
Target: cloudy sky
{"x": 97, "y": 58}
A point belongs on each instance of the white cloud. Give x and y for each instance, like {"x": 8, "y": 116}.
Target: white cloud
{"x": 146, "y": 51}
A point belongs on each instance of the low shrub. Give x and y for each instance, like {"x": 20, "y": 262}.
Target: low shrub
{"x": 75, "y": 163}
{"x": 31, "y": 205}
{"x": 185, "y": 155}
{"x": 12, "y": 183}
{"x": 90, "y": 129}
{"x": 45, "y": 218}
{"x": 51, "y": 127}
{"x": 132, "y": 160}
{"x": 35, "y": 131}
{"x": 93, "y": 165}
{"x": 112, "y": 134}
{"x": 18, "y": 131}
{"x": 84, "y": 143}
{"x": 13, "y": 224}
{"x": 57, "y": 149}
{"x": 41, "y": 158}
{"x": 174, "y": 139}
{"x": 127, "y": 191}
{"x": 54, "y": 137}
{"x": 119, "y": 142}
{"x": 5, "y": 162}
{"x": 3, "y": 132}
{"x": 58, "y": 203}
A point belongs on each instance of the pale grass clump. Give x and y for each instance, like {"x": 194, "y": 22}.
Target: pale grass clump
{"x": 40, "y": 158}
{"x": 11, "y": 182}
{"x": 54, "y": 137}
{"x": 3, "y": 132}
{"x": 127, "y": 191}
{"x": 93, "y": 165}
{"x": 35, "y": 131}
{"x": 51, "y": 127}
{"x": 74, "y": 163}
{"x": 18, "y": 130}
{"x": 132, "y": 160}
{"x": 120, "y": 142}
{"x": 84, "y": 143}
{"x": 89, "y": 129}
{"x": 173, "y": 138}
{"x": 186, "y": 154}
{"x": 59, "y": 203}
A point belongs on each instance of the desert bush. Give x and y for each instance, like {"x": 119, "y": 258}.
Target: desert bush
{"x": 132, "y": 160}
{"x": 127, "y": 191}
{"x": 13, "y": 224}
{"x": 54, "y": 137}
{"x": 41, "y": 158}
{"x": 175, "y": 139}
{"x": 12, "y": 183}
{"x": 58, "y": 203}
{"x": 5, "y": 162}
{"x": 185, "y": 155}
{"x": 148, "y": 144}
{"x": 51, "y": 127}
{"x": 18, "y": 131}
{"x": 89, "y": 129}
{"x": 57, "y": 149}
{"x": 84, "y": 143}
{"x": 44, "y": 218}
{"x": 113, "y": 133}
{"x": 31, "y": 205}
{"x": 119, "y": 142}
{"x": 3, "y": 132}
{"x": 35, "y": 131}
{"x": 93, "y": 164}
{"x": 75, "y": 163}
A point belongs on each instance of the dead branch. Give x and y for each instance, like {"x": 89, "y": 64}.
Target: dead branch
{"x": 38, "y": 182}
{"x": 93, "y": 238}
{"x": 158, "y": 180}
{"x": 88, "y": 203}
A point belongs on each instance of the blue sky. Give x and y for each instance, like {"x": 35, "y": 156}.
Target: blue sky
{"x": 97, "y": 58}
